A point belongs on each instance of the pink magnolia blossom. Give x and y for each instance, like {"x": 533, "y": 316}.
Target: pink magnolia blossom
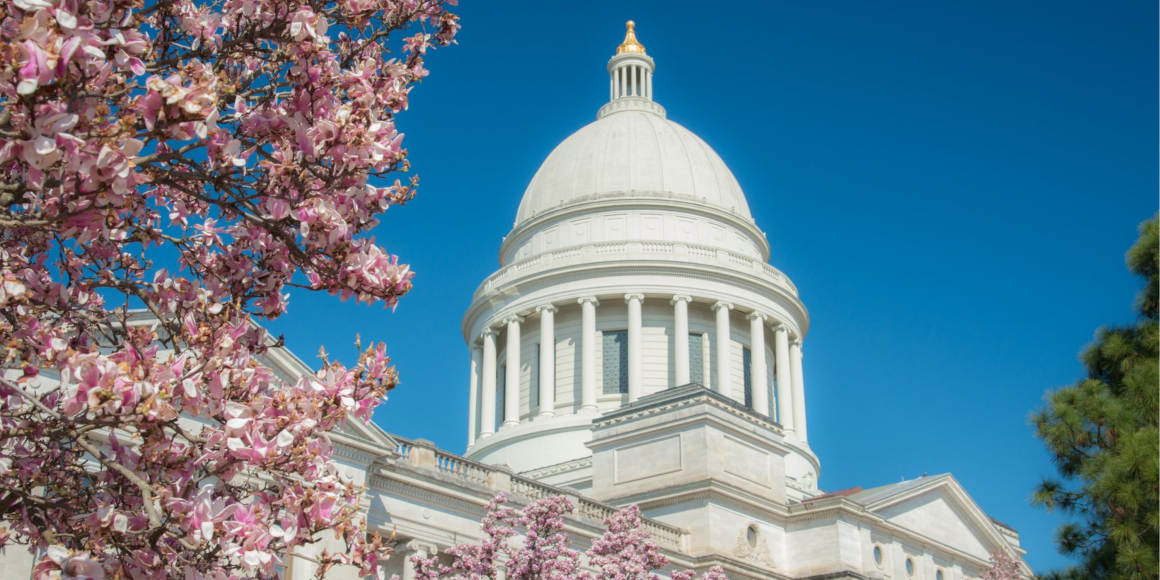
{"x": 1003, "y": 567}
{"x": 624, "y": 552}
{"x": 194, "y": 160}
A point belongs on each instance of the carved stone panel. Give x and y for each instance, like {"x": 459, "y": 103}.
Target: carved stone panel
{"x": 752, "y": 546}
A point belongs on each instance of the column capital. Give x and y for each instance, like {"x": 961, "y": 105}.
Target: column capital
{"x": 591, "y": 299}
{"x": 629, "y": 297}
{"x": 795, "y": 341}
{"x": 755, "y": 315}
{"x": 720, "y": 305}
{"x": 489, "y": 331}
{"x": 417, "y": 546}
{"x": 680, "y": 298}
{"x": 547, "y": 308}
{"x": 513, "y": 318}
{"x": 779, "y": 327}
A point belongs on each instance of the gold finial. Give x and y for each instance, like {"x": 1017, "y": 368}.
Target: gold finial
{"x": 630, "y": 43}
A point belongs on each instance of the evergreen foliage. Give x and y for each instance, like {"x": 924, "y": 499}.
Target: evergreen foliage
{"x": 1102, "y": 433}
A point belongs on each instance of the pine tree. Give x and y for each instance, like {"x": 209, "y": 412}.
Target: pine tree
{"x": 1102, "y": 433}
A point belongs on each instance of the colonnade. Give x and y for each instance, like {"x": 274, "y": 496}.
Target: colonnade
{"x": 787, "y": 351}
{"x": 631, "y": 80}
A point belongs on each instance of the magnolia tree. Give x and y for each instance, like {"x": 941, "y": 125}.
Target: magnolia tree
{"x": 1002, "y": 568}
{"x": 624, "y": 552}
{"x": 194, "y": 159}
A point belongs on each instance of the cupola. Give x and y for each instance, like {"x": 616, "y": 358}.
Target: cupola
{"x": 631, "y": 69}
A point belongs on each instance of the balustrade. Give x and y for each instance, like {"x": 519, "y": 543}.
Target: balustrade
{"x": 456, "y": 467}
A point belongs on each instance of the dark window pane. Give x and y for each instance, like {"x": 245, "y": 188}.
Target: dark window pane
{"x": 615, "y": 361}
{"x": 697, "y": 358}
{"x": 535, "y": 382}
{"x": 746, "y": 365}
{"x": 500, "y": 394}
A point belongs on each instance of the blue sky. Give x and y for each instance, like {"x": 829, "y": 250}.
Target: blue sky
{"x": 952, "y": 187}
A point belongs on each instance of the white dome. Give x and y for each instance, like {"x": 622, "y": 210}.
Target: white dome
{"x": 632, "y": 153}
{"x": 633, "y": 268}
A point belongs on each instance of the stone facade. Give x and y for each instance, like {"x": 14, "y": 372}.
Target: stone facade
{"x": 635, "y": 230}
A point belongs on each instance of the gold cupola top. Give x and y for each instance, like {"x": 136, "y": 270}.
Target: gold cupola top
{"x": 630, "y": 44}
{"x": 630, "y": 73}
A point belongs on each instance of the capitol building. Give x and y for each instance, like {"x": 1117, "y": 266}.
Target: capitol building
{"x": 635, "y": 346}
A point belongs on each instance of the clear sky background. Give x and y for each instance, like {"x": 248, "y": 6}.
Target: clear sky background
{"x": 952, "y": 187}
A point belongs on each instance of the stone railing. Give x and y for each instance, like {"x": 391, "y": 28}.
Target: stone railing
{"x": 660, "y": 251}
{"x": 424, "y": 454}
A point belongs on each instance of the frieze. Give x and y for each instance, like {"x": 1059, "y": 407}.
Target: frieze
{"x": 461, "y": 506}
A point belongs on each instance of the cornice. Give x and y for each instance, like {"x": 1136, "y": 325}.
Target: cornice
{"x": 711, "y": 490}
{"x": 362, "y": 455}
{"x": 680, "y": 397}
{"x": 680, "y": 271}
{"x": 400, "y": 488}
{"x": 565, "y": 467}
{"x": 625, "y": 104}
{"x": 639, "y": 251}
{"x": 633, "y": 199}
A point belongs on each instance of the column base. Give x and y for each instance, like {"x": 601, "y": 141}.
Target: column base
{"x": 544, "y": 415}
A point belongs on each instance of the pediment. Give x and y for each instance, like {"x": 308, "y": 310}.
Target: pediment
{"x": 938, "y": 508}
{"x": 934, "y": 515}
{"x": 367, "y": 433}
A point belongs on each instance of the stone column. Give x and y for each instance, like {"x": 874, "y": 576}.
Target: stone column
{"x": 681, "y": 340}
{"x": 588, "y": 352}
{"x": 782, "y": 372}
{"x": 511, "y": 392}
{"x": 799, "y": 390}
{"x": 487, "y": 404}
{"x": 411, "y": 549}
{"x": 473, "y": 395}
{"x": 635, "y": 362}
{"x": 724, "y": 360}
{"x": 547, "y": 361}
{"x": 757, "y": 363}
